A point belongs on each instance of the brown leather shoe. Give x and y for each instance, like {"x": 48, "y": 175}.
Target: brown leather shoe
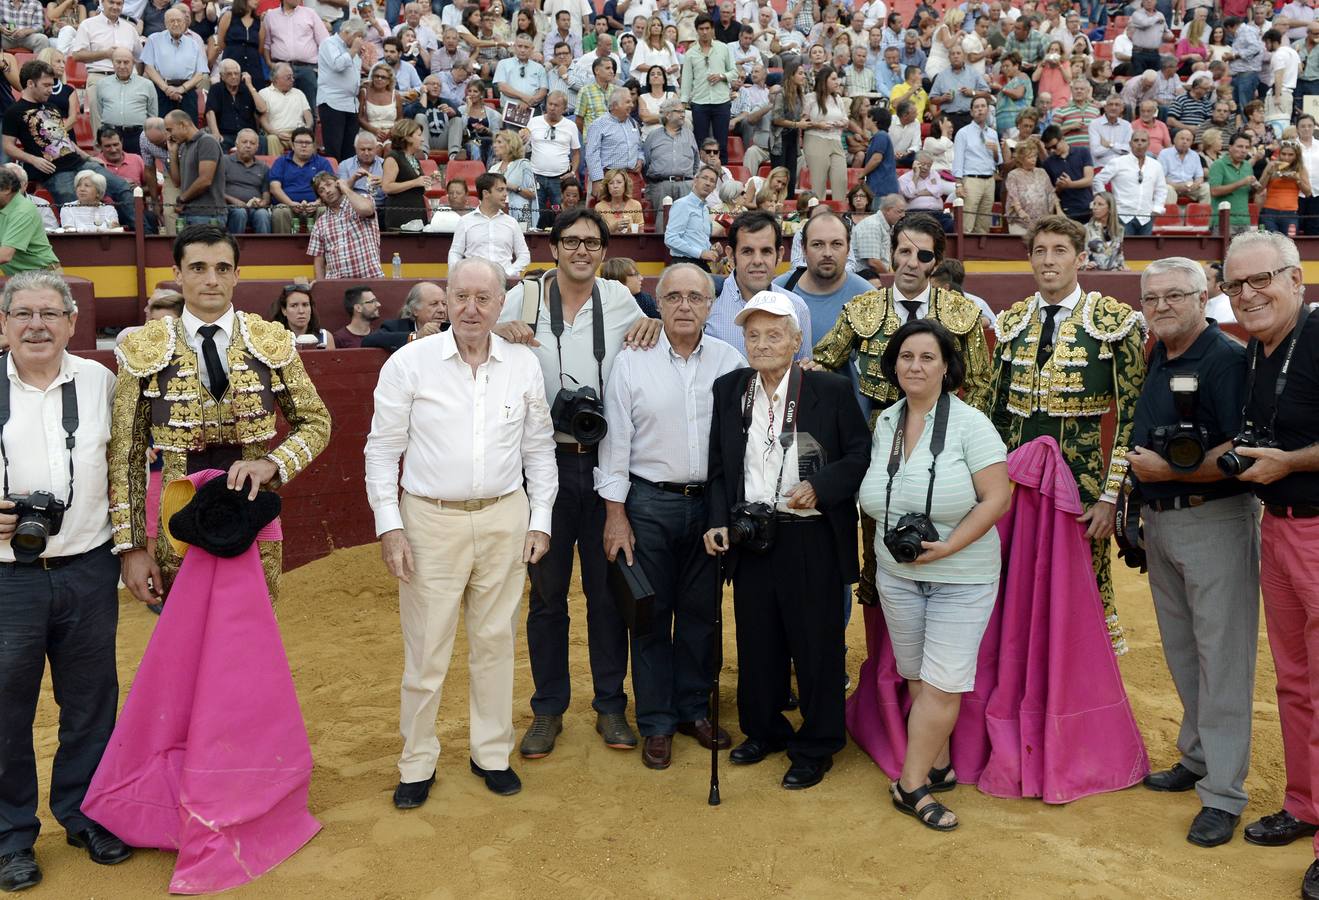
{"x": 657, "y": 753}
{"x": 702, "y": 730}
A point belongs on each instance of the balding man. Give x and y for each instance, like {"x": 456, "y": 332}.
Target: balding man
{"x": 195, "y": 167}
{"x": 365, "y": 158}
{"x": 233, "y": 106}
{"x": 286, "y": 109}
{"x": 175, "y": 61}
{"x": 94, "y": 44}
{"x": 423, "y": 315}
{"x": 613, "y": 141}
{"x": 125, "y": 101}
{"x": 246, "y": 186}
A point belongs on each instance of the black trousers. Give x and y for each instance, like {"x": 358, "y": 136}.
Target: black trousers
{"x": 695, "y": 261}
{"x": 578, "y": 520}
{"x": 786, "y": 603}
{"x": 1308, "y": 208}
{"x": 131, "y": 135}
{"x": 68, "y": 615}
{"x": 673, "y": 665}
{"x": 711, "y": 120}
{"x": 338, "y": 132}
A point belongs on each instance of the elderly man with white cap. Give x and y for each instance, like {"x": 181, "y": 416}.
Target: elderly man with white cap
{"x": 788, "y": 450}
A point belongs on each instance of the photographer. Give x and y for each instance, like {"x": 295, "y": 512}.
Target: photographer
{"x": 938, "y": 481}
{"x": 576, "y": 323}
{"x": 1205, "y": 598}
{"x": 1277, "y": 451}
{"x": 788, "y": 449}
{"x": 59, "y": 582}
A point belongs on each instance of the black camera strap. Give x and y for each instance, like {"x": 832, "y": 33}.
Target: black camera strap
{"x": 936, "y": 447}
{"x": 68, "y": 420}
{"x": 1255, "y": 350}
{"x": 597, "y": 330}
{"x": 788, "y": 430}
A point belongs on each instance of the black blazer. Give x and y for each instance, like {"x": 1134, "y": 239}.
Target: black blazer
{"x": 828, "y": 412}
{"x": 393, "y": 333}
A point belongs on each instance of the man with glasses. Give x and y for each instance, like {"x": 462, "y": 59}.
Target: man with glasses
{"x": 652, "y": 477}
{"x": 1139, "y": 184}
{"x": 1206, "y": 600}
{"x": 592, "y": 316}
{"x": 556, "y": 149}
{"x": 520, "y": 79}
{"x": 1064, "y": 360}
{"x": 671, "y": 157}
{"x": 1071, "y": 171}
{"x": 363, "y": 310}
{"x": 291, "y": 183}
{"x": 1262, "y": 277}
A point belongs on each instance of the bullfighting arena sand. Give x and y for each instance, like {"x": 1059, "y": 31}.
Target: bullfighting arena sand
{"x": 594, "y": 823}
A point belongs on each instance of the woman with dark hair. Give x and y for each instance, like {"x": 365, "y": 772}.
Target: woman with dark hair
{"x": 826, "y": 117}
{"x": 238, "y": 37}
{"x": 787, "y": 119}
{"x": 937, "y": 484}
{"x": 655, "y": 91}
{"x": 294, "y": 310}
{"x": 859, "y": 200}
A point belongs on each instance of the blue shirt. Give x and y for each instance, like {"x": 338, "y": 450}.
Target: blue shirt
{"x": 970, "y": 155}
{"x": 175, "y": 60}
{"x": 349, "y": 167}
{"x": 886, "y": 79}
{"x": 295, "y": 180}
{"x": 687, "y": 231}
{"x": 825, "y": 308}
{"x": 509, "y": 72}
{"x": 611, "y": 144}
{"x": 406, "y": 78}
{"x": 883, "y": 179}
{"x": 952, "y": 82}
{"x": 340, "y": 77}
{"x": 730, "y": 302}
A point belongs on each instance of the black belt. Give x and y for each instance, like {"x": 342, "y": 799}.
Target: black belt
{"x": 1292, "y": 512}
{"x": 786, "y": 518}
{"x": 659, "y": 179}
{"x": 1186, "y": 501}
{"x": 177, "y": 82}
{"x": 696, "y": 489}
{"x": 51, "y": 562}
{"x": 977, "y": 176}
{"x": 574, "y": 448}
{"x": 293, "y": 62}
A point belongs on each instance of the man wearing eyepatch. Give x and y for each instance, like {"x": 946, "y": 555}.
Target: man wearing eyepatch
{"x": 868, "y": 320}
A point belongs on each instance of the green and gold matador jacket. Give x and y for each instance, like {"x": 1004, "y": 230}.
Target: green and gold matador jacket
{"x": 160, "y": 401}
{"x": 1097, "y": 364}
{"x": 868, "y": 321}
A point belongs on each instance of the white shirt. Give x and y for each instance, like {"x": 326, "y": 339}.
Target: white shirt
{"x": 552, "y": 156}
{"x": 284, "y": 110}
{"x": 619, "y": 310}
{"x": 191, "y": 324}
{"x": 34, "y": 441}
{"x": 1219, "y": 308}
{"x": 637, "y": 8}
{"x": 1286, "y": 66}
{"x": 1068, "y": 305}
{"x": 578, "y": 9}
{"x": 873, "y": 13}
{"x": 659, "y": 406}
{"x": 764, "y": 455}
{"x": 462, "y": 437}
{"x": 497, "y": 238}
{"x": 923, "y": 298}
{"x": 96, "y": 33}
{"x": 1141, "y": 191}
{"x": 1310, "y": 153}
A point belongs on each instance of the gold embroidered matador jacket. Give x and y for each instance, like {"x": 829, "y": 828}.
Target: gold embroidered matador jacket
{"x": 160, "y": 401}
{"x": 868, "y": 321}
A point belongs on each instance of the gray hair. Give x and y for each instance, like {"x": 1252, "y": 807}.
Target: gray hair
{"x": 96, "y": 178}
{"x": 9, "y": 179}
{"x": 618, "y": 95}
{"x": 707, "y": 280}
{"x": 888, "y": 201}
{"x": 413, "y": 299}
{"x": 911, "y": 33}
{"x": 1280, "y": 244}
{"x": 496, "y": 273}
{"x": 1189, "y": 270}
{"x": 730, "y": 191}
{"x": 553, "y": 94}
{"x": 352, "y": 26}
{"x": 227, "y": 65}
{"x": 155, "y": 123}
{"x": 365, "y": 137}
{"x": 38, "y": 280}
{"x": 279, "y": 67}
{"x": 671, "y": 104}
{"x": 251, "y": 131}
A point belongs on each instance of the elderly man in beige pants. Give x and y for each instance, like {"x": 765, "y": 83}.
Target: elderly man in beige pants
{"x": 464, "y": 530}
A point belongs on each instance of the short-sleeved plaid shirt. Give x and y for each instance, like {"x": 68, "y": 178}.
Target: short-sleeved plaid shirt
{"x": 1031, "y": 49}
{"x": 349, "y": 243}
{"x": 592, "y": 103}
{"x": 27, "y": 15}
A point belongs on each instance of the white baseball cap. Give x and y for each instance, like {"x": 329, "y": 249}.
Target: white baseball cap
{"x": 768, "y": 302}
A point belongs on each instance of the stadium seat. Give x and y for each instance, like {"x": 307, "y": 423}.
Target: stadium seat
{"x": 804, "y": 179}
{"x": 1199, "y": 215}
{"x": 736, "y": 152}
{"x": 739, "y": 172}
{"x": 466, "y": 169}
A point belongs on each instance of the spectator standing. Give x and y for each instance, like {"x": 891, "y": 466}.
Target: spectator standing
{"x": 291, "y": 33}
{"x": 1283, "y": 182}
{"x": 23, "y": 242}
{"x": 233, "y": 105}
{"x": 195, "y": 166}
{"x": 976, "y": 157}
{"x": 825, "y": 115}
{"x": 291, "y": 182}
{"x": 1195, "y": 106}
{"x": 127, "y": 100}
{"x": 957, "y": 87}
{"x": 751, "y": 117}
{"x": 488, "y": 232}
{"x": 788, "y": 121}
{"x": 672, "y": 159}
{"x": 613, "y": 141}
{"x": 689, "y": 227}
{"x": 287, "y": 109}
{"x": 1149, "y": 31}
{"x": 1026, "y": 42}
{"x": 175, "y": 61}
{"x": 345, "y": 241}
{"x": 708, "y": 74}
{"x": 1183, "y": 169}
{"x": 1167, "y": 85}
{"x": 1029, "y": 192}
{"x": 880, "y": 166}
{"x": 94, "y": 44}
{"x": 1232, "y": 178}
{"x": 1071, "y": 171}
{"x": 555, "y": 152}
{"x": 508, "y": 155}
{"x": 593, "y": 99}
{"x": 1285, "y": 64}
{"x": 1110, "y": 135}
{"x": 238, "y": 37}
{"x": 1074, "y": 118}
{"x": 1138, "y": 183}
{"x": 246, "y": 186}
{"x": 1016, "y": 94}
{"x": 338, "y": 81}
{"x": 1245, "y": 60}
{"x": 520, "y": 78}
{"x": 1309, "y": 205}
{"x": 905, "y": 133}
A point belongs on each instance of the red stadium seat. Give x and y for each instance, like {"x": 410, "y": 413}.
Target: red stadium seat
{"x": 75, "y": 73}
{"x": 736, "y": 152}
{"x": 804, "y": 179}
{"x": 466, "y": 169}
{"x": 739, "y": 172}
{"x": 1199, "y": 215}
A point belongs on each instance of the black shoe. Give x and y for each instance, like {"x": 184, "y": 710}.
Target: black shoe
{"x": 1278, "y": 830}
{"x": 1212, "y": 827}
{"x": 102, "y": 847}
{"x": 1174, "y": 780}
{"x": 806, "y": 773}
{"x": 19, "y": 870}
{"x": 504, "y": 782}
{"x": 751, "y": 751}
{"x": 411, "y": 794}
{"x": 1310, "y": 883}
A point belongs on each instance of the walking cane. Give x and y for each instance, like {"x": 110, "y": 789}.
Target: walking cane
{"x": 718, "y": 665}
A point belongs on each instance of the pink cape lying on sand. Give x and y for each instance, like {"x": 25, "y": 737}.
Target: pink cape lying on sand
{"x": 210, "y": 756}
{"x": 1049, "y": 716}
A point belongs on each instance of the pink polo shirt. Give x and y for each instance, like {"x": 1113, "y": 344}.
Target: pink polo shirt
{"x": 131, "y": 169}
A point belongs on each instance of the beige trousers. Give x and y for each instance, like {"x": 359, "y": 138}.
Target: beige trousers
{"x": 1201, "y": 194}
{"x": 827, "y": 163}
{"x": 89, "y": 98}
{"x": 469, "y": 561}
{"x": 979, "y": 203}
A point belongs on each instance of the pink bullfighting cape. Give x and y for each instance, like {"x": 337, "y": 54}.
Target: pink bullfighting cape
{"x": 1049, "y": 716}
{"x": 210, "y": 756}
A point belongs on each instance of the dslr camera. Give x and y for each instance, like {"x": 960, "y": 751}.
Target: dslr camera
{"x": 752, "y": 525}
{"x": 1233, "y": 463}
{"x": 1184, "y": 444}
{"x": 581, "y": 414}
{"x": 904, "y": 539}
{"x": 40, "y": 516}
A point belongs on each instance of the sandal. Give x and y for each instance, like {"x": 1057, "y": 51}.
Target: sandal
{"x": 940, "y": 780}
{"x": 928, "y": 815}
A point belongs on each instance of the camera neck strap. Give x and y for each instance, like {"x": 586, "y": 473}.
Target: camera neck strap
{"x": 597, "y": 330}
{"x": 68, "y": 420}
{"x": 788, "y": 430}
{"x": 936, "y": 447}
{"x": 1255, "y": 350}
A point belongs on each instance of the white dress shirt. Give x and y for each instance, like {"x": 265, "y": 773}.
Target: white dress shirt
{"x": 1141, "y": 189}
{"x": 764, "y": 455}
{"x": 191, "y": 324}
{"x": 659, "y": 408}
{"x": 923, "y": 298}
{"x": 1068, "y": 305}
{"x": 497, "y": 238}
{"x": 34, "y": 441}
{"x": 425, "y": 397}
{"x": 620, "y": 311}
{"x": 96, "y": 33}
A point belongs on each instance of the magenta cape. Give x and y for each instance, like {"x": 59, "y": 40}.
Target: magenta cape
{"x": 1049, "y": 716}
{"x": 210, "y": 756}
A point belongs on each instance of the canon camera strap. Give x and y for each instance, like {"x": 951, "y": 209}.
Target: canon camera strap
{"x": 1254, "y": 349}
{"x": 68, "y": 421}
{"x": 597, "y": 330}
{"x": 936, "y": 447}
{"x": 788, "y": 431}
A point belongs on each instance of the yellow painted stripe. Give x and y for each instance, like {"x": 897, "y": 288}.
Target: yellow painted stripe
{"x": 108, "y": 281}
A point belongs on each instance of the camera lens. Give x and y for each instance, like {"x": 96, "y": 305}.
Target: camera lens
{"x": 1232, "y": 463}
{"x": 29, "y": 540}
{"x": 1185, "y": 453}
{"x": 589, "y": 427}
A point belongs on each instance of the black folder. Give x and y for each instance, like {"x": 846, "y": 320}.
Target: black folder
{"x": 633, "y": 595}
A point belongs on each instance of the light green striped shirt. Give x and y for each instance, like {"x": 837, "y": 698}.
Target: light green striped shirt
{"x": 698, "y": 66}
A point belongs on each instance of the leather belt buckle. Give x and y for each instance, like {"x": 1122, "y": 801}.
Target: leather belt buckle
{"x": 1195, "y": 500}
{"x": 574, "y": 448}
{"x": 469, "y": 505}
{"x": 693, "y": 490}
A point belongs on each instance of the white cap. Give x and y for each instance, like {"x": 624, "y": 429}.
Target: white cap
{"x": 768, "y": 302}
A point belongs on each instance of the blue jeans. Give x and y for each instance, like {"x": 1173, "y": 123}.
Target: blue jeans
{"x": 1277, "y": 220}
{"x": 119, "y": 191}
{"x": 186, "y": 220}
{"x": 241, "y": 216}
{"x": 549, "y": 197}
{"x": 1135, "y": 228}
{"x": 1244, "y": 87}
